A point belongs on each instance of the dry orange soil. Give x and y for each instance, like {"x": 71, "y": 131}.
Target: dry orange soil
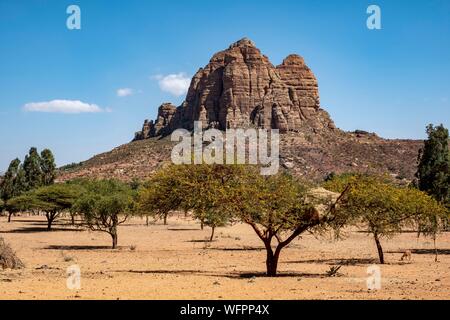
{"x": 174, "y": 262}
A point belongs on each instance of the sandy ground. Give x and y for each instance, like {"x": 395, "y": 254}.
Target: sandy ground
{"x": 174, "y": 262}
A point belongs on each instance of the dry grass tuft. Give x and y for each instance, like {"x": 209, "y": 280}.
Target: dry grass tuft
{"x": 8, "y": 258}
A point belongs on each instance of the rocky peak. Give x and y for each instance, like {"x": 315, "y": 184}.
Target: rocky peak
{"x": 293, "y": 60}
{"x": 240, "y": 88}
{"x": 244, "y": 42}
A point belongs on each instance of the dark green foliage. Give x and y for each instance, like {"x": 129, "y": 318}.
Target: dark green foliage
{"x": 71, "y": 166}
{"x": 36, "y": 171}
{"x": 52, "y": 200}
{"x": 13, "y": 183}
{"x": 433, "y": 172}
{"x": 384, "y": 209}
{"x": 275, "y": 207}
{"x": 48, "y": 167}
{"x": 135, "y": 184}
{"x": 105, "y": 204}
{"x": 32, "y": 167}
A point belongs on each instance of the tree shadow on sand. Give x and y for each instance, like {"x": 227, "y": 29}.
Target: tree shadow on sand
{"x": 239, "y": 249}
{"x": 424, "y": 251}
{"x": 232, "y": 275}
{"x": 39, "y": 230}
{"x": 333, "y": 262}
{"x": 86, "y": 247}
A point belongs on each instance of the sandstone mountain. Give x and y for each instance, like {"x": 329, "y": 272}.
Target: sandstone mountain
{"x": 240, "y": 88}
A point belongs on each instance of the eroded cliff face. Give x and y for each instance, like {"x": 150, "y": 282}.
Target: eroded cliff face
{"x": 240, "y": 88}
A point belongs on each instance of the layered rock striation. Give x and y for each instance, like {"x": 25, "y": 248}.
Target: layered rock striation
{"x": 240, "y": 88}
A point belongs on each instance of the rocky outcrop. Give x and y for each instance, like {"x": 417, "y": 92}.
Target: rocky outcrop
{"x": 163, "y": 125}
{"x": 240, "y": 88}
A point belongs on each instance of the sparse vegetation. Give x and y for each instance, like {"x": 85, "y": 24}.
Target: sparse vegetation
{"x": 105, "y": 204}
{"x": 433, "y": 172}
{"x": 382, "y": 208}
{"x": 53, "y": 200}
{"x": 333, "y": 271}
{"x": 272, "y": 206}
{"x": 36, "y": 171}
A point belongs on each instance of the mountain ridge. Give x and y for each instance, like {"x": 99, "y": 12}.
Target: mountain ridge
{"x": 241, "y": 88}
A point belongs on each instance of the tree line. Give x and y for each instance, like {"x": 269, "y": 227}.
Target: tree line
{"x": 36, "y": 170}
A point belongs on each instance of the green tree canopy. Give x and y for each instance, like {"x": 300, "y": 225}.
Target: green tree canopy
{"x": 12, "y": 184}
{"x": 48, "y": 167}
{"x": 382, "y": 208}
{"x": 105, "y": 204}
{"x": 161, "y": 194}
{"x": 433, "y": 172}
{"x": 32, "y": 167}
{"x": 52, "y": 200}
{"x": 276, "y": 207}
{"x": 280, "y": 208}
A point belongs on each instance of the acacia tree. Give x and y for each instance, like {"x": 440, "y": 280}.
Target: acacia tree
{"x": 207, "y": 185}
{"x": 160, "y": 195}
{"x": 213, "y": 219}
{"x": 372, "y": 202}
{"x": 23, "y": 203}
{"x": 382, "y": 208}
{"x": 430, "y": 216}
{"x": 189, "y": 188}
{"x": 53, "y": 200}
{"x": 106, "y": 204}
{"x": 277, "y": 208}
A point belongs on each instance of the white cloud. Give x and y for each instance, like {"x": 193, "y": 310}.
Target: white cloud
{"x": 124, "y": 92}
{"x": 62, "y": 106}
{"x": 175, "y": 84}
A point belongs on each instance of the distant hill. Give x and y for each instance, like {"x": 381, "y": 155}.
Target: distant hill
{"x": 240, "y": 88}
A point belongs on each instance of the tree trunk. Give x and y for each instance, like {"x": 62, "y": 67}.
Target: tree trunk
{"x": 114, "y": 239}
{"x": 49, "y": 221}
{"x": 379, "y": 248}
{"x": 435, "y": 249}
{"x": 212, "y": 234}
{"x": 165, "y": 219}
{"x": 9, "y": 216}
{"x": 73, "y": 219}
{"x": 272, "y": 259}
{"x": 272, "y": 264}
{"x": 146, "y": 221}
{"x": 202, "y": 224}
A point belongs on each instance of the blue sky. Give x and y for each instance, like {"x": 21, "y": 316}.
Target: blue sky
{"x": 392, "y": 81}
